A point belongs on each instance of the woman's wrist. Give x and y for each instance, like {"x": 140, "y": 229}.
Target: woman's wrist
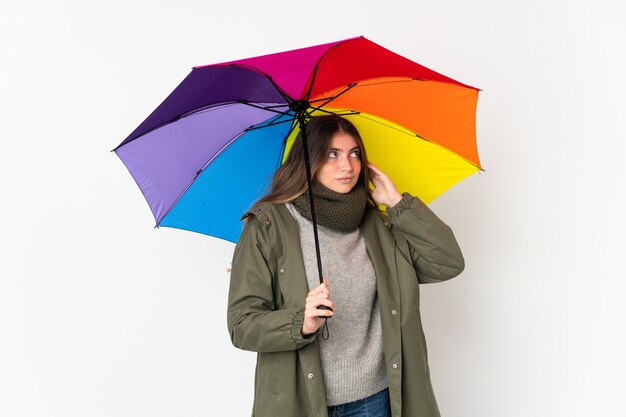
{"x": 394, "y": 200}
{"x": 305, "y": 334}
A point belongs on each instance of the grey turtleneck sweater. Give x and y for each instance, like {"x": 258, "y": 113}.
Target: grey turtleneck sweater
{"x": 352, "y": 358}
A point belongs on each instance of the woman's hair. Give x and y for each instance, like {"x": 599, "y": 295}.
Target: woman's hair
{"x": 290, "y": 179}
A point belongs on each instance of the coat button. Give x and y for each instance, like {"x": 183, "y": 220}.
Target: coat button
{"x": 394, "y": 312}
{"x": 386, "y": 223}
{"x": 267, "y": 222}
{"x": 394, "y": 366}
{"x": 282, "y": 270}
{"x": 310, "y": 376}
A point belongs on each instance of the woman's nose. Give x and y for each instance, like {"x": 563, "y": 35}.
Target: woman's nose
{"x": 345, "y": 164}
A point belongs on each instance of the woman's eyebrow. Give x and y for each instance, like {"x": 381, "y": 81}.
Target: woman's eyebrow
{"x": 356, "y": 148}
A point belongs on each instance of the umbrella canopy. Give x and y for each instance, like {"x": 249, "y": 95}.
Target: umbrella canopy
{"x": 210, "y": 149}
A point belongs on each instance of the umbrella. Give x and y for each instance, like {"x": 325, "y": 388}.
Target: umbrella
{"x": 209, "y": 150}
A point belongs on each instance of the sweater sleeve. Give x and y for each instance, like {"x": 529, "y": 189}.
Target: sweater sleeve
{"x": 254, "y": 322}
{"x": 435, "y": 253}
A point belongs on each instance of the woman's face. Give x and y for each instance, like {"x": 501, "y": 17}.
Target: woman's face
{"x": 341, "y": 170}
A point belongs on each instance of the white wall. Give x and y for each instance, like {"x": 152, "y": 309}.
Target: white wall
{"x": 102, "y": 315}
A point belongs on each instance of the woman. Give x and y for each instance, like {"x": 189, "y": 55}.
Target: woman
{"x": 375, "y": 357}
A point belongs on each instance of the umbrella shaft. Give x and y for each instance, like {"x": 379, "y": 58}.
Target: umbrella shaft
{"x": 307, "y": 163}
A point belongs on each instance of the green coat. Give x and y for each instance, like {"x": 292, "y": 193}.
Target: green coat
{"x": 268, "y": 288}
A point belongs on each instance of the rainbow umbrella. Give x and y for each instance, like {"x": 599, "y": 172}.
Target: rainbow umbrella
{"x": 210, "y": 149}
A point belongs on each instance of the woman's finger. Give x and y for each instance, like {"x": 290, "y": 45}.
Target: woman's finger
{"x": 323, "y": 294}
{"x": 373, "y": 167}
{"x": 316, "y": 312}
{"x": 313, "y": 303}
{"x": 379, "y": 175}
{"x": 322, "y": 302}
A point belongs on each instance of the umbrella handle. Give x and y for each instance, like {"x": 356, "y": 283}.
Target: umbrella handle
{"x": 324, "y": 308}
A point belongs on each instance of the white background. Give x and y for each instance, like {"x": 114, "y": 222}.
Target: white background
{"x": 102, "y": 315}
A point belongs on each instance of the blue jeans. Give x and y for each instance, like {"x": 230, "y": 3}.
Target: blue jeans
{"x": 376, "y": 405}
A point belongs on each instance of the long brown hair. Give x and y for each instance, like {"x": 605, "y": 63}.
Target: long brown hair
{"x": 289, "y": 181}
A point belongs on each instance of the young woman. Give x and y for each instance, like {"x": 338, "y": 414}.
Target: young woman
{"x": 375, "y": 361}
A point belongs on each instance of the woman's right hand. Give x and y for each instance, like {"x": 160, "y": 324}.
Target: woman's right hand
{"x": 314, "y": 317}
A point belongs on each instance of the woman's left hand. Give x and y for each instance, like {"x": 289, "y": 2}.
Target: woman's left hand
{"x": 384, "y": 191}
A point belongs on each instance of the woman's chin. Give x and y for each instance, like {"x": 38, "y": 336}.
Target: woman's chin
{"x": 343, "y": 188}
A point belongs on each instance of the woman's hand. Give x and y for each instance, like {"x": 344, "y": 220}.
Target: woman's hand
{"x": 384, "y": 191}
{"x": 313, "y": 317}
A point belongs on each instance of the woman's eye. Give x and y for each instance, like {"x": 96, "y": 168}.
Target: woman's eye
{"x": 355, "y": 154}
{"x": 332, "y": 154}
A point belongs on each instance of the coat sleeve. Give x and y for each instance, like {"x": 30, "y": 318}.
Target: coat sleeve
{"x": 435, "y": 253}
{"x": 254, "y": 322}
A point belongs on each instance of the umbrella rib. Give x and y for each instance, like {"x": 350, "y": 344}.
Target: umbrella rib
{"x": 329, "y": 99}
{"x": 268, "y": 108}
{"x": 268, "y": 125}
{"x": 317, "y": 65}
{"x": 177, "y": 118}
{"x": 412, "y": 134}
{"x": 348, "y": 88}
{"x": 266, "y": 75}
{"x": 407, "y": 80}
{"x": 283, "y": 146}
{"x": 406, "y": 132}
{"x": 346, "y": 113}
{"x": 276, "y": 106}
